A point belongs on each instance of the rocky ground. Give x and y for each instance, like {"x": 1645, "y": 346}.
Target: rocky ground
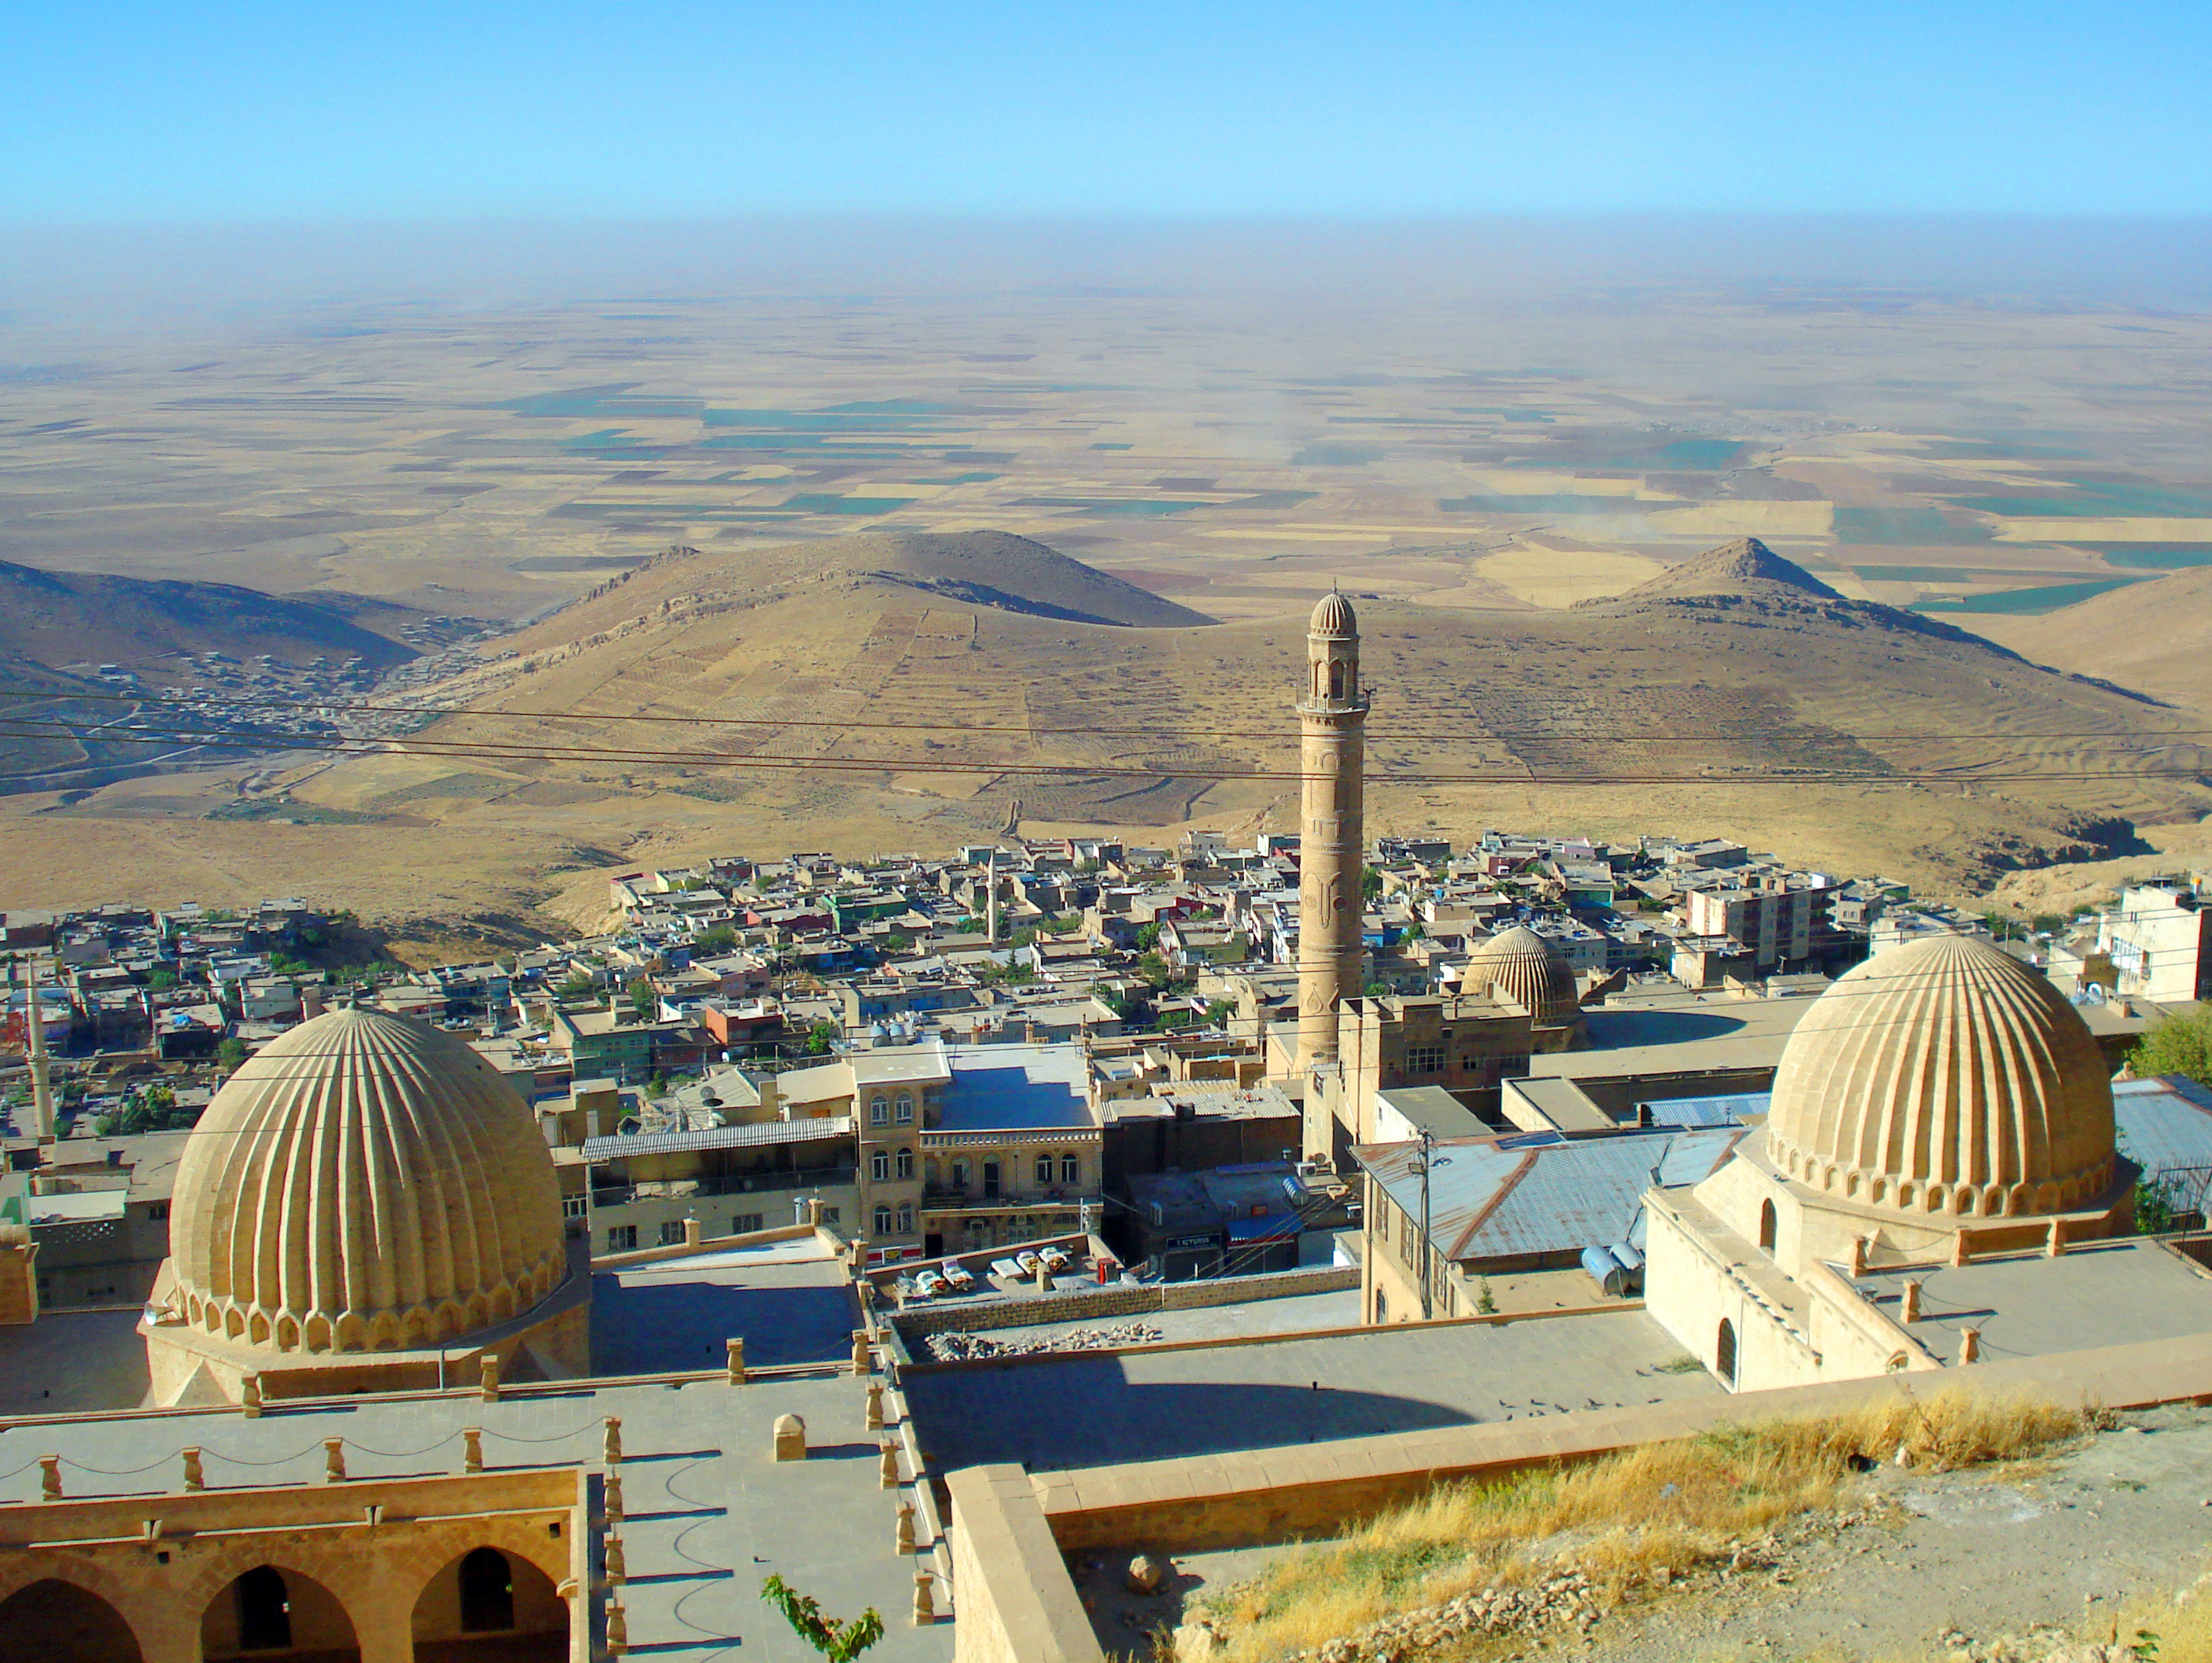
{"x": 964, "y": 1347}
{"x": 2042, "y": 1562}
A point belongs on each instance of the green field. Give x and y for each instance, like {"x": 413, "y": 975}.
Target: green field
{"x": 2024, "y": 603}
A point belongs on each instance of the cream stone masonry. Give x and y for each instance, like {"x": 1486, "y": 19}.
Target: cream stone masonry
{"x": 1945, "y": 1077}
{"x": 365, "y": 1184}
{"x": 1332, "y": 828}
{"x": 1521, "y": 966}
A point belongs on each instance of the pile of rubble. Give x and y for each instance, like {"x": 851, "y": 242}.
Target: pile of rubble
{"x": 2044, "y": 1642}
{"x": 966, "y": 1348}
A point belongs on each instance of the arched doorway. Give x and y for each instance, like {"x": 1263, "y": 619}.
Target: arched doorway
{"x": 1724, "y": 1354}
{"x": 1769, "y": 1225}
{"x": 272, "y": 1612}
{"x": 488, "y": 1607}
{"x": 56, "y": 1622}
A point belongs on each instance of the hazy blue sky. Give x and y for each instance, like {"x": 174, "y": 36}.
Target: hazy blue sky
{"x": 123, "y": 112}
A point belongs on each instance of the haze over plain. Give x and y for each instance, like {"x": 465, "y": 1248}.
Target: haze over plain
{"x": 1481, "y": 316}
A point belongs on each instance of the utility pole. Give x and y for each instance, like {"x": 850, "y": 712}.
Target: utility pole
{"x": 1424, "y": 1162}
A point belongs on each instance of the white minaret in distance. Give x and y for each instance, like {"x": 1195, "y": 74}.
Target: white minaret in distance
{"x": 1331, "y": 827}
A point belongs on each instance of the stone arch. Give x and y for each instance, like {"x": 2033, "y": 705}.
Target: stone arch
{"x": 383, "y": 1334}
{"x": 1724, "y": 1354}
{"x": 1336, "y": 678}
{"x": 55, "y": 1621}
{"x": 288, "y": 1334}
{"x": 192, "y": 1310}
{"x": 1962, "y": 1200}
{"x": 318, "y": 1334}
{"x": 273, "y": 1611}
{"x": 1935, "y": 1203}
{"x": 503, "y": 1303}
{"x": 504, "y": 1586}
{"x": 352, "y": 1333}
{"x": 1769, "y": 1225}
{"x": 233, "y": 1323}
{"x": 451, "y": 1321}
{"x": 415, "y": 1331}
{"x": 256, "y": 1331}
{"x": 476, "y": 1314}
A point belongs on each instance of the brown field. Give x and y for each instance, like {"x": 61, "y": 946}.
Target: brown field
{"x": 1475, "y": 471}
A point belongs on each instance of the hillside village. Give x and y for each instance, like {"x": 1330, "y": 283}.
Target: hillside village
{"x": 1087, "y": 1019}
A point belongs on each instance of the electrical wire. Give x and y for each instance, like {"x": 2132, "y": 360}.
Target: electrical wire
{"x": 1163, "y": 734}
{"x": 492, "y": 751}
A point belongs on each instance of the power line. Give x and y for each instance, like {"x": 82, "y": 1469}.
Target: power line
{"x": 493, "y": 751}
{"x": 1281, "y": 733}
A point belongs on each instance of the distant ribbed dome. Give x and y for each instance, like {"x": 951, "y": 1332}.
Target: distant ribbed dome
{"x": 1334, "y": 617}
{"x": 1945, "y": 1077}
{"x": 365, "y": 1182}
{"x": 1521, "y": 966}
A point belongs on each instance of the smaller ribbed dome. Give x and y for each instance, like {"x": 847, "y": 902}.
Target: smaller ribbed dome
{"x": 1334, "y": 617}
{"x": 1521, "y": 966}
{"x": 1945, "y": 1076}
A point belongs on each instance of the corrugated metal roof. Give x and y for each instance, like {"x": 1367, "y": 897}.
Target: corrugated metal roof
{"x": 1728, "y": 1111}
{"x": 2165, "y": 1124}
{"x": 757, "y": 1135}
{"x": 1507, "y": 1197}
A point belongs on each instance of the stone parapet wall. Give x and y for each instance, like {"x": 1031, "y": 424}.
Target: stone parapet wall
{"x": 1016, "y": 1603}
{"x": 1119, "y": 1300}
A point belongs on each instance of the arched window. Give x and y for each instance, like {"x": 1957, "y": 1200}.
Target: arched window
{"x": 487, "y": 1593}
{"x": 264, "y": 1610}
{"x": 879, "y": 1164}
{"x": 879, "y": 1110}
{"x": 1044, "y": 1169}
{"x": 883, "y": 1221}
{"x": 906, "y": 1218}
{"x": 57, "y": 1622}
{"x": 1724, "y": 1354}
{"x": 905, "y": 1110}
{"x": 1070, "y": 1170}
{"x": 905, "y": 1163}
{"x": 1767, "y": 1225}
{"x": 1336, "y": 678}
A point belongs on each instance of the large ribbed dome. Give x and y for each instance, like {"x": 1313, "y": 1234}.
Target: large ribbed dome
{"x": 1945, "y": 1076}
{"x": 1334, "y": 617}
{"x": 1519, "y": 965}
{"x": 365, "y": 1182}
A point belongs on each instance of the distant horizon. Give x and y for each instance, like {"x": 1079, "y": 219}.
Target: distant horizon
{"x": 2129, "y": 259}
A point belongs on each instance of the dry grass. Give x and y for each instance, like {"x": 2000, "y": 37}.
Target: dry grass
{"x": 1620, "y": 1518}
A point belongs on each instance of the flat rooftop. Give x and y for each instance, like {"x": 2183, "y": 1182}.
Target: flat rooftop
{"x": 788, "y": 1306}
{"x": 1088, "y": 1409}
{"x": 2114, "y": 1293}
{"x": 709, "y": 1513}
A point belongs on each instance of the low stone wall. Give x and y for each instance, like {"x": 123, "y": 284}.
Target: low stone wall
{"x": 1119, "y": 1300}
{"x": 1014, "y": 1601}
{"x": 1243, "y": 1498}
{"x": 833, "y": 1243}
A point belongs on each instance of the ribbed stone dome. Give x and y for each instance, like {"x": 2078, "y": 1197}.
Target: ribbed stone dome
{"x": 1334, "y": 617}
{"x": 1945, "y": 1076}
{"x": 362, "y": 1183}
{"x": 1520, "y": 964}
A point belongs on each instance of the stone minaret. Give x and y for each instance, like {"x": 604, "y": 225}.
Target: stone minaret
{"x": 1331, "y": 828}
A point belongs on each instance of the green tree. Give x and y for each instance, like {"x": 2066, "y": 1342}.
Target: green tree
{"x": 1371, "y": 882}
{"x": 840, "y": 1642}
{"x": 575, "y": 987}
{"x": 721, "y": 939}
{"x": 2179, "y": 1043}
{"x": 161, "y": 980}
{"x": 898, "y": 941}
{"x": 1148, "y": 936}
{"x": 643, "y": 1001}
{"x": 230, "y": 1054}
{"x": 821, "y": 1037}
